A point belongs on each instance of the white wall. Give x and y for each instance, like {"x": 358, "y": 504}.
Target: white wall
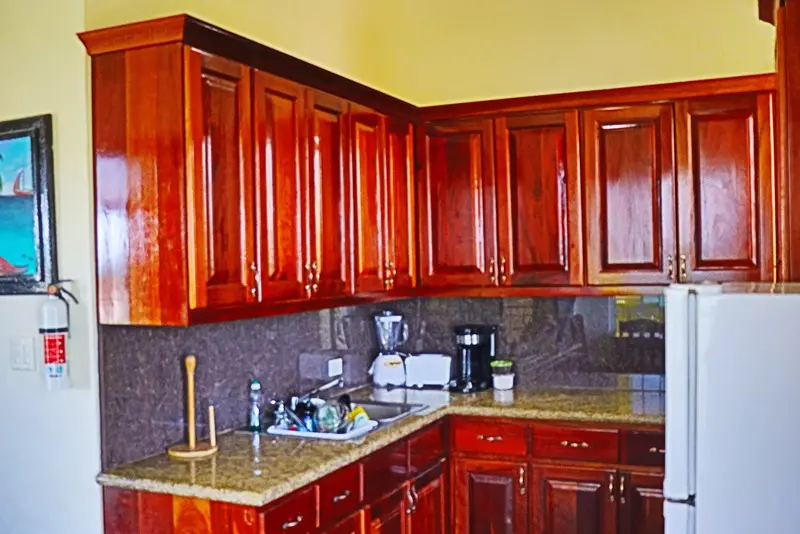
{"x": 50, "y": 442}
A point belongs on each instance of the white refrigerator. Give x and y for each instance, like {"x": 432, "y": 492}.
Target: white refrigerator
{"x": 732, "y": 409}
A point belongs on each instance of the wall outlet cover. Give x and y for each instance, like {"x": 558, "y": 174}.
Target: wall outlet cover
{"x": 335, "y": 367}
{"x": 22, "y": 354}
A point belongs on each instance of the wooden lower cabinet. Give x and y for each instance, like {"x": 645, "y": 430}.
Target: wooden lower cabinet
{"x": 427, "y": 515}
{"x": 490, "y": 497}
{"x": 355, "y": 524}
{"x": 641, "y": 504}
{"x": 388, "y": 514}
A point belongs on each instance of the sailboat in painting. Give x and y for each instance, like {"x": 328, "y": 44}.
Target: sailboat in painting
{"x": 19, "y": 186}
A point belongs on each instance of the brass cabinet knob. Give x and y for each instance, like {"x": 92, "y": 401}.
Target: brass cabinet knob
{"x": 611, "y": 487}
{"x": 253, "y": 291}
{"x": 503, "y": 276}
{"x": 682, "y": 269}
{"x": 671, "y": 268}
{"x": 492, "y": 277}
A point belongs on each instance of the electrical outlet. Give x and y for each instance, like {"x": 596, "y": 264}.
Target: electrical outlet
{"x": 22, "y": 354}
{"x": 335, "y": 367}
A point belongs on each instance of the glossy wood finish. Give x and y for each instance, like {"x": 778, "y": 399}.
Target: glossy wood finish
{"x": 429, "y": 512}
{"x": 140, "y": 198}
{"x": 280, "y": 152}
{"x": 388, "y": 515}
{"x": 328, "y": 243}
{"x": 539, "y": 199}
{"x": 641, "y": 507}
{"x": 643, "y": 448}
{"x": 767, "y": 10}
{"x": 386, "y": 470}
{"x": 401, "y": 205}
{"x": 457, "y": 204}
{"x": 219, "y": 165}
{"x": 630, "y": 194}
{"x": 573, "y": 501}
{"x": 296, "y": 513}
{"x": 355, "y": 524}
{"x": 340, "y": 494}
{"x": 600, "y": 445}
{"x": 490, "y": 497}
{"x": 370, "y": 232}
{"x": 427, "y": 448}
{"x": 486, "y": 436}
{"x": 725, "y": 184}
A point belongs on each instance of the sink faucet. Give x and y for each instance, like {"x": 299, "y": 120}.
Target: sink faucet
{"x": 328, "y": 385}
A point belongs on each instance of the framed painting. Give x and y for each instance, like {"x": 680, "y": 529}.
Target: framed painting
{"x": 28, "y": 261}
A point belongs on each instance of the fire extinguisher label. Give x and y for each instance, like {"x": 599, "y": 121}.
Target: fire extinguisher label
{"x": 55, "y": 348}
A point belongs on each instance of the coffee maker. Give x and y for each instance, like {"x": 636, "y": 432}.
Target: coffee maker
{"x": 389, "y": 368}
{"x": 475, "y": 348}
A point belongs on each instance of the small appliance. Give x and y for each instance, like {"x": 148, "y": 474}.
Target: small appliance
{"x": 475, "y": 347}
{"x": 389, "y": 369}
{"x": 428, "y": 370}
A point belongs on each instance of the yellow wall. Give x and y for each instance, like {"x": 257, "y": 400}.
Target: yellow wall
{"x": 436, "y": 51}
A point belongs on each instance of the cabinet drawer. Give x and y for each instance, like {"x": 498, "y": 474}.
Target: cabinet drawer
{"x": 339, "y": 494}
{"x": 490, "y": 437}
{"x": 644, "y": 448}
{"x": 427, "y": 448}
{"x": 296, "y": 514}
{"x": 566, "y": 443}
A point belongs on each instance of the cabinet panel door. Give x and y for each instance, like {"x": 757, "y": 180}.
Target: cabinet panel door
{"x": 401, "y": 214}
{"x": 570, "y": 500}
{"x": 388, "y": 515}
{"x": 220, "y": 182}
{"x": 457, "y": 204}
{"x": 369, "y": 202}
{"x": 539, "y": 199}
{"x": 726, "y": 175}
{"x": 428, "y": 511}
{"x": 490, "y": 497}
{"x": 328, "y": 264}
{"x": 630, "y": 195}
{"x": 641, "y": 506}
{"x": 352, "y": 525}
{"x": 280, "y": 155}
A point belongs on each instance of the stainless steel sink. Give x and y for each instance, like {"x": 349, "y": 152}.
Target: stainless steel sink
{"x": 389, "y": 412}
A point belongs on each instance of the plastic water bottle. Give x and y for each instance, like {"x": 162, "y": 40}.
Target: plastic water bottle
{"x": 254, "y": 415}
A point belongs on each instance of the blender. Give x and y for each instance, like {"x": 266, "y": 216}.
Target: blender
{"x": 389, "y": 369}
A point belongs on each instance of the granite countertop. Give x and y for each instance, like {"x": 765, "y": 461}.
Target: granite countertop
{"x": 257, "y": 469}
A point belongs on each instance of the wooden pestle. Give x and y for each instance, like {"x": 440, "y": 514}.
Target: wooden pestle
{"x": 191, "y": 364}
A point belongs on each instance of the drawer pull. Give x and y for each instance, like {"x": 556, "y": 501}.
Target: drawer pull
{"x": 490, "y": 438}
{"x": 292, "y": 524}
{"x": 575, "y": 444}
{"x": 657, "y": 450}
{"x": 622, "y": 489}
{"x": 522, "y": 481}
{"x": 341, "y": 496}
{"x": 410, "y": 498}
{"x": 611, "y": 487}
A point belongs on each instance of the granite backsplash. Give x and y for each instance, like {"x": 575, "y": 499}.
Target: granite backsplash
{"x": 143, "y": 381}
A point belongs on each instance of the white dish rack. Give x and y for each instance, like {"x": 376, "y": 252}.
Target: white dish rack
{"x": 359, "y": 431}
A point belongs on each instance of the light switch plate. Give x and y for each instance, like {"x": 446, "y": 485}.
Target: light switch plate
{"x": 22, "y": 354}
{"x": 335, "y": 367}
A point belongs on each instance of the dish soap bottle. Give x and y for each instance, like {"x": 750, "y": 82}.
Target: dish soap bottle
{"x": 254, "y": 414}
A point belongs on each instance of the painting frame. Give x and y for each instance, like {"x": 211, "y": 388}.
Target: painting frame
{"x": 39, "y": 129}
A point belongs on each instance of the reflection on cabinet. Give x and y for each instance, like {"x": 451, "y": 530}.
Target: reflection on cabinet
{"x": 568, "y": 499}
{"x": 401, "y": 242}
{"x": 630, "y": 195}
{"x": 641, "y": 503}
{"x": 457, "y": 204}
{"x": 726, "y": 179}
{"x": 539, "y": 199}
{"x": 490, "y": 496}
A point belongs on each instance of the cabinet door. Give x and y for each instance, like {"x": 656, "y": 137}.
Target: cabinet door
{"x": 630, "y": 195}
{"x": 388, "y": 515}
{"x": 726, "y": 175}
{"x": 457, "y": 204}
{"x": 369, "y": 202}
{"x": 490, "y": 497}
{"x": 569, "y": 500}
{"x": 428, "y": 511}
{"x": 539, "y": 199}
{"x": 329, "y": 211}
{"x": 641, "y": 504}
{"x": 352, "y": 525}
{"x": 401, "y": 239}
{"x": 279, "y": 110}
{"x": 220, "y": 207}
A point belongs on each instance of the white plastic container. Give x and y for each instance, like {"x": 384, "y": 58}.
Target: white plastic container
{"x": 504, "y": 381}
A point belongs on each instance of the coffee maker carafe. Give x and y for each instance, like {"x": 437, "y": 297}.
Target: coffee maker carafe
{"x": 475, "y": 347}
{"x": 389, "y": 368}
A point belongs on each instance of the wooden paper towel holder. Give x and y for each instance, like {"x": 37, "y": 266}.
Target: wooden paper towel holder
{"x": 194, "y": 450}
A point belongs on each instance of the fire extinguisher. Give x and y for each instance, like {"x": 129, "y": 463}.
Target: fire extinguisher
{"x": 54, "y": 329}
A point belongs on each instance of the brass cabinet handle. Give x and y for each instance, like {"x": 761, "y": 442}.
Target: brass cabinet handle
{"x": 410, "y": 501}
{"x": 575, "y": 444}
{"x": 657, "y": 450}
{"x": 291, "y": 524}
{"x": 503, "y": 276}
{"x": 671, "y": 268}
{"x": 490, "y": 438}
{"x": 622, "y": 489}
{"x": 315, "y": 270}
{"x": 611, "y": 487}
{"x": 492, "y": 277}
{"x": 522, "y": 481}
{"x": 415, "y": 497}
{"x": 341, "y": 496}
{"x": 682, "y": 270}
{"x": 253, "y": 291}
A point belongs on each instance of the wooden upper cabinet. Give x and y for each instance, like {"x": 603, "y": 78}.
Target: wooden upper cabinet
{"x": 539, "y": 199}
{"x": 490, "y": 496}
{"x": 457, "y": 204}
{"x": 401, "y": 214}
{"x": 571, "y": 500}
{"x": 641, "y": 503}
{"x": 219, "y": 168}
{"x": 725, "y": 183}
{"x": 630, "y": 195}
{"x": 327, "y": 265}
{"x": 370, "y": 256}
{"x": 280, "y": 152}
